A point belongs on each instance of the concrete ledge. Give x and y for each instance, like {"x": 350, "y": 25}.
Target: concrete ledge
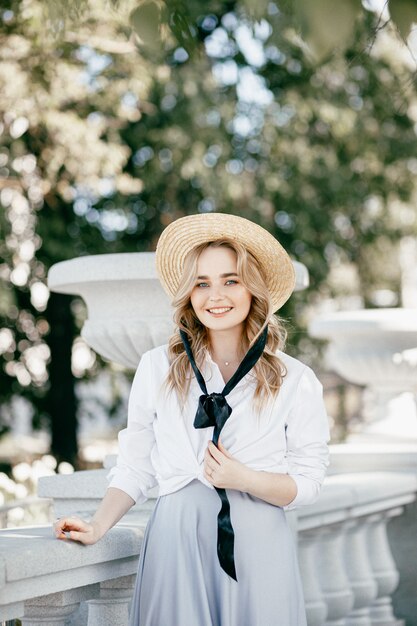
{"x": 81, "y": 493}
{"x": 34, "y": 563}
{"x": 347, "y": 496}
{"x": 362, "y": 457}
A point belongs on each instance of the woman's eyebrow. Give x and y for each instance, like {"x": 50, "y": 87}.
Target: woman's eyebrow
{"x": 226, "y": 275}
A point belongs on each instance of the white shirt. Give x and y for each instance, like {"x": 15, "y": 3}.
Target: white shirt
{"x": 160, "y": 445}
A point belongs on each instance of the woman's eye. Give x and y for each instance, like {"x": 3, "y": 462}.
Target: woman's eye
{"x": 231, "y": 282}
{"x": 201, "y": 285}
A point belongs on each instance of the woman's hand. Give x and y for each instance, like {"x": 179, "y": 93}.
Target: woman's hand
{"x": 111, "y": 509}
{"x": 222, "y": 470}
{"x": 77, "y": 529}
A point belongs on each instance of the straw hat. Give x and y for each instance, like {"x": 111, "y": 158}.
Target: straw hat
{"x": 186, "y": 233}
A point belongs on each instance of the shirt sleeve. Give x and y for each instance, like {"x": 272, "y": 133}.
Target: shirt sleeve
{"x": 307, "y": 436}
{"x": 134, "y": 473}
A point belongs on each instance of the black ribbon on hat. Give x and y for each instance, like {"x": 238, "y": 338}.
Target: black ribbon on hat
{"x": 213, "y": 410}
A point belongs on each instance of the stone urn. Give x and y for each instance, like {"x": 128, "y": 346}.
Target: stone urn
{"x": 128, "y": 311}
{"x": 376, "y": 348}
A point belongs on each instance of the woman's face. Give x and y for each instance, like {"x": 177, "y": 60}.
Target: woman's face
{"x": 219, "y": 299}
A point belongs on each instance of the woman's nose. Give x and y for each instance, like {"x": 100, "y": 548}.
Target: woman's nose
{"x": 216, "y": 293}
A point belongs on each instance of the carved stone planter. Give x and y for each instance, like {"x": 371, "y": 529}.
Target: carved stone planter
{"x": 377, "y": 348}
{"x": 128, "y": 311}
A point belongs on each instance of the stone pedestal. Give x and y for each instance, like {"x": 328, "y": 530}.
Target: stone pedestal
{"x": 128, "y": 312}
{"x": 376, "y": 348}
{"x": 111, "y": 608}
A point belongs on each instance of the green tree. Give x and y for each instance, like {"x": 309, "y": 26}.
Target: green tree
{"x": 103, "y": 143}
{"x": 62, "y": 106}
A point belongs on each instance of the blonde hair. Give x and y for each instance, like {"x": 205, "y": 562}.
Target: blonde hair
{"x": 269, "y": 370}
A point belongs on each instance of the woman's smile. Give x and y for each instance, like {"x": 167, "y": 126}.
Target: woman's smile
{"x": 218, "y": 311}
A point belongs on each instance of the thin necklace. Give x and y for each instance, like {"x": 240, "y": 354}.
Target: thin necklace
{"x": 230, "y": 362}
{"x": 237, "y": 360}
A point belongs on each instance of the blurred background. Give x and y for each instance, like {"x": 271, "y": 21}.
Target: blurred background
{"x": 117, "y": 118}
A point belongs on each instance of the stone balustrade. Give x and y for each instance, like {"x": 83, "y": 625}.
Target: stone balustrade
{"x": 347, "y": 567}
{"x": 394, "y": 457}
{"x": 348, "y": 571}
{"x": 46, "y": 581}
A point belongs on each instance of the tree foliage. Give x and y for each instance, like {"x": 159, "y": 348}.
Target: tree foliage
{"x": 106, "y": 138}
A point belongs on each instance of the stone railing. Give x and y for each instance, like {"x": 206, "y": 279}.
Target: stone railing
{"x": 346, "y": 564}
{"x": 401, "y": 458}
{"x": 347, "y": 567}
{"x": 45, "y": 581}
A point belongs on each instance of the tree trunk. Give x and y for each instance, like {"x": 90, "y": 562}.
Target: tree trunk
{"x": 61, "y": 401}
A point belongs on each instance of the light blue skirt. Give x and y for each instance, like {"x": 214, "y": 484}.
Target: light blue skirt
{"x": 180, "y": 581}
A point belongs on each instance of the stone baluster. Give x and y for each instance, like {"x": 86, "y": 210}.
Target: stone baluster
{"x": 55, "y": 609}
{"x": 316, "y": 607}
{"x": 42, "y": 614}
{"x": 335, "y": 584}
{"x": 384, "y": 568}
{"x": 111, "y": 608}
{"x": 359, "y": 571}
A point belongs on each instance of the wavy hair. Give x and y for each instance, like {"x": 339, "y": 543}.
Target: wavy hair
{"x": 269, "y": 370}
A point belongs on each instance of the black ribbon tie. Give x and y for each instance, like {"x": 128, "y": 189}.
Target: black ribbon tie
{"x": 213, "y": 410}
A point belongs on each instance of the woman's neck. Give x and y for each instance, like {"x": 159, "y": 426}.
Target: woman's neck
{"x": 226, "y": 346}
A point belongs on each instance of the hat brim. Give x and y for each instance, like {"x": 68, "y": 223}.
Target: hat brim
{"x": 186, "y": 233}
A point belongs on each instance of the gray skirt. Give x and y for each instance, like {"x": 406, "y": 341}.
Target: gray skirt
{"x": 180, "y": 581}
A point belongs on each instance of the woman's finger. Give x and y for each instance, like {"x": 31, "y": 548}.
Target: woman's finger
{"x": 67, "y": 524}
{"x": 60, "y": 524}
{"x": 76, "y": 536}
{"x": 223, "y": 450}
{"x": 210, "y": 466}
{"x": 208, "y": 476}
{"x": 215, "y": 452}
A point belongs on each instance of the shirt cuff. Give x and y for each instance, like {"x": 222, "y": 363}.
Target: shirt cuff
{"x": 308, "y": 491}
{"x": 127, "y": 484}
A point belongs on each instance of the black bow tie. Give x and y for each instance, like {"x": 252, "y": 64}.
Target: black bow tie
{"x": 213, "y": 410}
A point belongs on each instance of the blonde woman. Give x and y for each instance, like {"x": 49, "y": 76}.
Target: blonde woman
{"x": 232, "y": 430}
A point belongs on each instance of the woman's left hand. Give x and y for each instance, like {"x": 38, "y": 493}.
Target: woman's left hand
{"x": 222, "y": 470}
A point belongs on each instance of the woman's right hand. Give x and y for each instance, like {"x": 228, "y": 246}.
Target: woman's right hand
{"x": 77, "y": 529}
{"x": 111, "y": 509}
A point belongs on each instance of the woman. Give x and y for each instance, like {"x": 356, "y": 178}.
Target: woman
{"x": 232, "y": 429}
